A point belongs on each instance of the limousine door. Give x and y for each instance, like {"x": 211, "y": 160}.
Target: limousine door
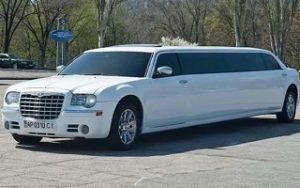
{"x": 274, "y": 79}
{"x": 166, "y": 98}
{"x": 213, "y": 97}
{"x": 261, "y": 82}
{"x": 265, "y": 90}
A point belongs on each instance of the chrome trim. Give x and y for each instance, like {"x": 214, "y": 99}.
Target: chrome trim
{"x": 81, "y": 111}
{"x": 42, "y": 93}
{"x": 169, "y": 125}
{"x": 41, "y": 105}
{"x": 9, "y": 109}
{"x": 127, "y": 126}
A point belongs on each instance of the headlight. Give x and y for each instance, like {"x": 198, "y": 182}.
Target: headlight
{"x": 85, "y": 100}
{"x": 12, "y": 97}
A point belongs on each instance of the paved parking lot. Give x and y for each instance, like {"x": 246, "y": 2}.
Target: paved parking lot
{"x": 255, "y": 152}
{"x": 24, "y": 74}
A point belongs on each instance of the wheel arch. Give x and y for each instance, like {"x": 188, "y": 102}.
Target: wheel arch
{"x": 131, "y": 98}
{"x": 293, "y": 88}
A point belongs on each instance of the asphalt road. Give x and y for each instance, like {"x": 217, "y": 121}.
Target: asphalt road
{"x": 254, "y": 152}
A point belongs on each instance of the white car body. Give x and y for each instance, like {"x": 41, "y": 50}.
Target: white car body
{"x": 167, "y": 103}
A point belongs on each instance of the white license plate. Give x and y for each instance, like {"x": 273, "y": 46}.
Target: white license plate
{"x": 37, "y": 125}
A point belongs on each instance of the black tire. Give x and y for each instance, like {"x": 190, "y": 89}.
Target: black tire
{"x": 115, "y": 139}
{"x": 26, "y": 139}
{"x": 288, "y": 113}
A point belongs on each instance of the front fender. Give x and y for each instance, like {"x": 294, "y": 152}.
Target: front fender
{"x": 116, "y": 93}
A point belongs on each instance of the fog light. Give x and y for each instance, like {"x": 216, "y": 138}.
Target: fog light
{"x": 85, "y": 129}
{"x": 6, "y": 125}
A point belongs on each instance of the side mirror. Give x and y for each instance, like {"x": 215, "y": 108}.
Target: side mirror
{"x": 60, "y": 68}
{"x": 163, "y": 71}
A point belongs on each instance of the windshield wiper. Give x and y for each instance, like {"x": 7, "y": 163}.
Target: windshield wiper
{"x": 99, "y": 73}
{"x": 88, "y": 74}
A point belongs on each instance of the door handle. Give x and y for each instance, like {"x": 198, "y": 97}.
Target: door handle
{"x": 183, "y": 81}
{"x": 284, "y": 74}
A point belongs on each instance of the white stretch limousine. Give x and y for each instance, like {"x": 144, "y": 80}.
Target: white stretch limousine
{"x": 121, "y": 92}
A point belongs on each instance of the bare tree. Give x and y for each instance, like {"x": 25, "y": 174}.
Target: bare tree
{"x": 105, "y": 9}
{"x": 12, "y": 13}
{"x": 226, "y": 16}
{"x": 172, "y": 18}
{"x": 185, "y": 19}
{"x": 43, "y": 20}
{"x": 254, "y": 15}
{"x": 293, "y": 45}
{"x": 198, "y": 10}
{"x": 239, "y": 21}
{"x": 144, "y": 15}
{"x": 280, "y": 14}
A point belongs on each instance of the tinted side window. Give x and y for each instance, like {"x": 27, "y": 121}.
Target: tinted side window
{"x": 271, "y": 62}
{"x": 201, "y": 63}
{"x": 169, "y": 60}
{"x": 242, "y": 62}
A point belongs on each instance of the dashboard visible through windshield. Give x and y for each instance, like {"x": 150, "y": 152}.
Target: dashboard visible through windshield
{"x": 129, "y": 64}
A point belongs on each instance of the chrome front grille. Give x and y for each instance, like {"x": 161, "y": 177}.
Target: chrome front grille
{"x": 41, "y": 107}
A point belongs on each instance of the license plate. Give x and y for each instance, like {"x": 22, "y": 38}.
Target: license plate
{"x": 36, "y": 125}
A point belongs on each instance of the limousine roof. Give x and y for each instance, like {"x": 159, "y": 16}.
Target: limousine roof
{"x": 151, "y": 49}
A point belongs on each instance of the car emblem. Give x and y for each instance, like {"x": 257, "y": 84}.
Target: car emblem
{"x": 40, "y": 94}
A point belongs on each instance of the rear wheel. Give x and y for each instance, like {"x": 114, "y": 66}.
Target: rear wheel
{"x": 287, "y": 115}
{"x": 26, "y": 139}
{"x": 125, "y": 126}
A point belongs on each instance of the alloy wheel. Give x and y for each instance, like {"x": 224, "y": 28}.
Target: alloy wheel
{"x": 127, "y": 126}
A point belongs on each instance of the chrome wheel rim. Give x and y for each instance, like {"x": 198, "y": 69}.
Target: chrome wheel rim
{"x": 290, "y": 106}
{"x": 127, "y": 126}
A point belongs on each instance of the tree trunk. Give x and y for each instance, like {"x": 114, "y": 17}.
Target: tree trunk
{"x": 105, "y": 10}
{"x": 43, "y": 59}
{"x": 101, "y": 37}
{"x": 6, "y": 45}
{"x": 280, "y": 14}
{"x": 197, "y": 31}
{"x": 239, "y": 21}
{"x": 101, "y": 22}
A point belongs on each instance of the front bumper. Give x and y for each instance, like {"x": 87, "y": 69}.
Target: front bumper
{"x": 68, "y": 125}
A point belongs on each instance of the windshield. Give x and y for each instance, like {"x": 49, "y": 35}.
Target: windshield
{"x": 4, "y": 56}
{"x": 129, "y": 64}
{"x": 14, "y": 56}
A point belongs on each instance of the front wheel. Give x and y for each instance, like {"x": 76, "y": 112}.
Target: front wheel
{"x": 26, "y": 139}
{"x": 125, "y": 126}
{"x": 288, "y": 113}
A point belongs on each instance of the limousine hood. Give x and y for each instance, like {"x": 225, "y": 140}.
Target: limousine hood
{"x": 74, "y": 83}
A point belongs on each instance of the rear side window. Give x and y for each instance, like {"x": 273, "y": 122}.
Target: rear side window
{"x": 244, "y": 62}
{"x": 271, "y": 62}
{"x": 169, "y": 60}
{"x": 202, "y": 63}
